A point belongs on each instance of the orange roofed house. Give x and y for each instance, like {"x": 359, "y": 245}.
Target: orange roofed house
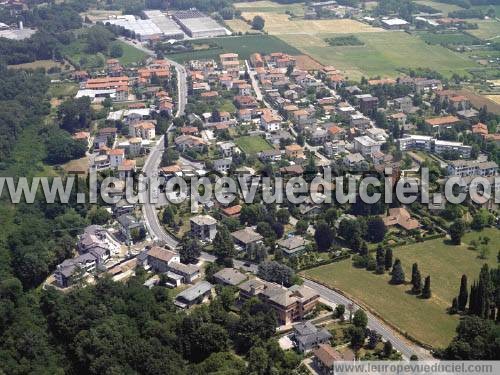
{"x": 290, "y": 304}
{"x": 402, "y": 218}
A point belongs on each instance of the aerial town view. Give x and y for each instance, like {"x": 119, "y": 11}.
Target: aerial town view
{"x": 280, "y": 187}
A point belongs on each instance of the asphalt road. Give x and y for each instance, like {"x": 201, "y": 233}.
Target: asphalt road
{"x": 153, "y": 160}
{"x": 399, "y": 343}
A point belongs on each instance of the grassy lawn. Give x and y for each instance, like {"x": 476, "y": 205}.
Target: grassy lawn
{"x": 227, "y": 106}
{"x": 45, "y": 64}
{"x": 383, "y": 54}
{"x": 488, "y": 29}
{"x": 448, "y": 38}
{"x": 425, "y": 320}
{"x": 242, "y": 45}
{"x": 62, "y": 89}
{"x": 268, "y": 6}
{"x": 442, "y": 7}
{"x": 131, "y": 55}
{"x": 252, "y": 144}
{"x": 76, "y": 53}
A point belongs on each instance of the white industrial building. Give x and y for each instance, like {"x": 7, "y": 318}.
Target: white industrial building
{"x": 143, "y": 29}
{"x": 167, "y": 26}
{"x": 198, "y": 25}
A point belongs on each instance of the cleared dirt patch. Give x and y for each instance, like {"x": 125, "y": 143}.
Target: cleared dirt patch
{"x": 305, "y": 62}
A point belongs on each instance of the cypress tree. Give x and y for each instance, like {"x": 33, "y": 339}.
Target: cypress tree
{"x": 483, "y": 293}
{"x": 473, "y": 299}
{"x": 398, "y": 275}
{"x": 414, "y": 270}
{"x": 426, "y": 292}
{"x": 463, "y": 295}
{"x": 388, "y": 259}
{"x": 454, "y": 306}
{"x": 380, "y": 260}
{"x": 416, "y": 282}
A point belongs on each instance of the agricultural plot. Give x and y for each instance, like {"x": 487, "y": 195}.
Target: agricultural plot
{"x": 488, "y": 30}
{"x": 131, "y": 55}
{"x": 281, "y": 24}
{"x": 442, "y": 7}
{"x": 239, "y": 26}
{"x": 426, "y": 320}
{"x": 382, "y": 54}
{"x": 494, "y": 98}
{"x": 449, "y": 38}
{"x": 296, "y": 9}
{"x": 243, "y": 45}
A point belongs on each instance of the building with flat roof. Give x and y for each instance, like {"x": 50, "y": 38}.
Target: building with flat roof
{"x": 143, "y": 29}
{"x": 168, "y": 27}
{"x": 198, "y": 25}
{"x": 193, "y": 295}
{"x": 229, "y": 276}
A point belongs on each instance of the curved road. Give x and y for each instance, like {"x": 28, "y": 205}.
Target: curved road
{"x": 400, "y": 343}
{"x": 158, "y": 233}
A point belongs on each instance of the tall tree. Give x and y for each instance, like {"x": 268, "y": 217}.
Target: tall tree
{"x": 360, "y": 319}
{"x": 323, "y": 235}
{"x": 426, "y": 291}
{"x": 457, "y": 230}
{"x": 463, "y": 295}
{"x": 388, "y": 259}
{"x": 398, "y": 275}
{"x": 416, "y": 280}
{"x": 223, "y": 245}
{"x": 380, "y": 260}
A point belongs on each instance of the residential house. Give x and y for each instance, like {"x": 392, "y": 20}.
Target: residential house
{"x": 404, "y": 104}
{"x": 233, "y": 211}
{"x": 270, "y": 121}
{"x": 354, "y": 161}
{"x": 203, "y": 227}
{"x": 227, "y": 149}
{"x": 127, "y": 224}
{"x": 308, "y": 337}
{"x": 222, "y": 165}
{"x": 189, "y": 142}
{"x": 116, "y": 157}
{"x": 366, "y": 145}
{"x": 270, "y": 155}
{"x": 229, "y": 276}
{"x": 194, "y": 295}
{"x": 400, "y": 217}
{"x": 292, "y": 246}
{"x": 294, "y": 151}
{"x": 472, "y": 168}
{"x": 325, "y": 357}
{"x": 368, "y": 104}
{"x": 189, "y": 272}
{"x": 245, "y": 238}
{"x": 290, "y": 304}
{"x": 159, "y": 259}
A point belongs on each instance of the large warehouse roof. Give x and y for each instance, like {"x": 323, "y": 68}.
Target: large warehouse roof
{"x": 164, "y": 23}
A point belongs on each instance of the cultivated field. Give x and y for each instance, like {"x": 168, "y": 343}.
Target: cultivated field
{"x": 306, "y": 62}
{"x": 296, "y": 9}
{"x": 383, "y": 54}
{"x": 457, "y": 38}
{"x": 45, "y": 64}
{"x": 281, "y": 24}
{"x": 494, "y": 98}
{"x": 426, "y": 320}
{"x": 252, "y": 144}
{"x": 239, "y": 26}
{"x": 488, "y": 29}
{"x": 131, "y": 55}
{"x": 442, "y": 7}
{"x": 243, "y": 45}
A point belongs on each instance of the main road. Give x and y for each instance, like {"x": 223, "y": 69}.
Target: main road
{"x": 401, "y": 344}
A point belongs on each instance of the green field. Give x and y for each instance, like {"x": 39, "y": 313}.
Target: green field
{"x": 383, "y": 54}
{"x": 442, "y": 7}
{"x": 426, "y": 320}
{"x": 488, "y": 29}
{"x": 131, "y": 55}
{"x": 252, "y": 144}
{"x": 76, "y": 53}
{"x": 242, "y": 45}
{"x": 296, "y": 9}
{"x": 448, "y": 38}
{"x": 62, "y": 89}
